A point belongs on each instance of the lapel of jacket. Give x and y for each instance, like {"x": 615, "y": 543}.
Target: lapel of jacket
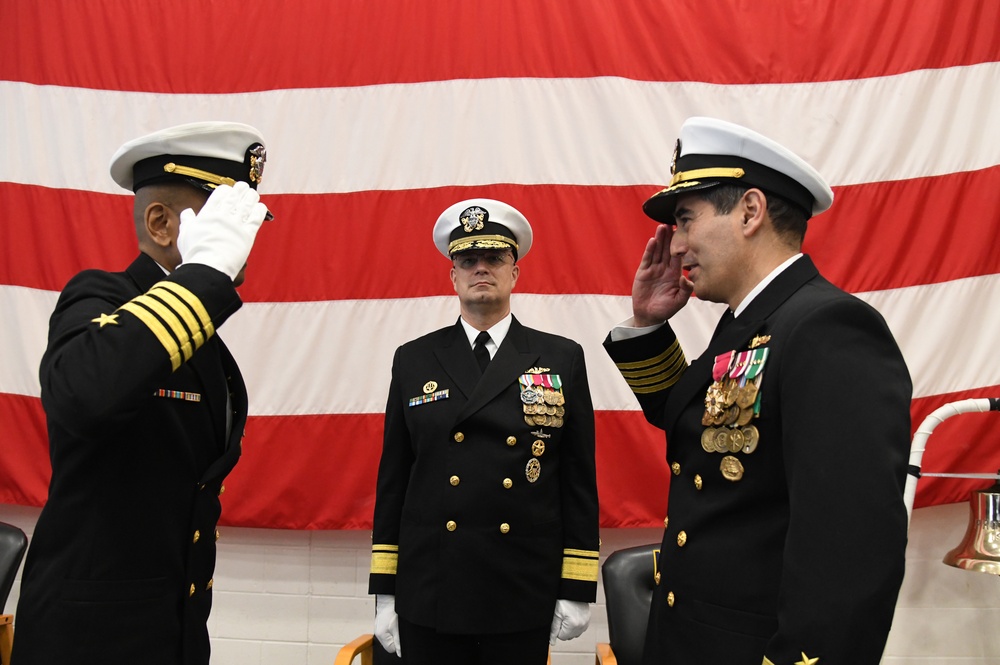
{"x": 511, "y": 359}
{"x": 206, "y": 362}
{"x": 238, "y": 392}
{"x": 455, "y": 357}
{"x": 736, "y": 333}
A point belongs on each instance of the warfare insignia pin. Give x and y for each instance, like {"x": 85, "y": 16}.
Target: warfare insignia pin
{"x": 533, "y": 470}
{"x": 430, "y": 387}
{"x": 758, "y": 340}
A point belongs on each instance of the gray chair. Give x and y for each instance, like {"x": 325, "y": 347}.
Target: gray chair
{"x": 629, "y": 576}
{"x": 13, "y": 542}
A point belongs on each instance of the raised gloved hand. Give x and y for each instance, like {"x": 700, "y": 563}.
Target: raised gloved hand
{"x": 221, "y": 235}
{"x": 387, "y": 623}
{"x": 571, "y": 618}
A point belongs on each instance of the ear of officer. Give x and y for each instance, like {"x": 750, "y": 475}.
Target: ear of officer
{"x": 196, "y": 199}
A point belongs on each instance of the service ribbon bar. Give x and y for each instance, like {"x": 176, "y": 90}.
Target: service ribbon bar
{"x": 432, "y": 397}
{"x": 178, "y": 394}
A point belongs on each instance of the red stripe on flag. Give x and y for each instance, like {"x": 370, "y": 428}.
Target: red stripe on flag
{"x": 306, "y": 472}
{"x": 24, "y": 454}
{"x": 886, "y": 235}
{"x": 351, "y": 246}
{"x": 965, "y": 443}
{"x": 235, "y": 46}
{"x": 318, "y": 472}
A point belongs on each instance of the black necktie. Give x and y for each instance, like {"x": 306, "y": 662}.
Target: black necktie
{"x": 480, "y": 351}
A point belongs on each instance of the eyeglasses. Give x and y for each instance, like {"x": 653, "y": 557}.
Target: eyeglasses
{"x": 469, "y": 260}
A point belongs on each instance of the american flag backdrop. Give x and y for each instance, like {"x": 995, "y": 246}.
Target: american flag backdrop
{"x": 378, "y": 114}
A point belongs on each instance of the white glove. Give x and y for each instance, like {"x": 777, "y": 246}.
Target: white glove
{"x": 570, "y": 620}
{"x": 221, "y": 235}
{"x": 387, "y": 623}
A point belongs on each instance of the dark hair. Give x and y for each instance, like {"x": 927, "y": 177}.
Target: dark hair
{"x": 789, "y": 220}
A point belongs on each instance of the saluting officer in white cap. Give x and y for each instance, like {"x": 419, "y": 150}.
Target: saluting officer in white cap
{"x": 787, "y": 437}
{"x": 485, "y": 540}
{"x": 145, "y": 409}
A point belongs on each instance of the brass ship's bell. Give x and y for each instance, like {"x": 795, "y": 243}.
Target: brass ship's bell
{"x": 980, "y": 548}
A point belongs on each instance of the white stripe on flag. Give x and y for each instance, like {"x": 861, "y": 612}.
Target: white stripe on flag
{"x": 596, "y": 131}
{"x": 334, "y": 357}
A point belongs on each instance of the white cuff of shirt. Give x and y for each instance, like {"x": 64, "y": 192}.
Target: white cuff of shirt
{"x": 628, "y": 330}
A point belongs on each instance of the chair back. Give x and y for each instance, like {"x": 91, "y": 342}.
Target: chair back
{"x": 628, "y": 576}
{"x": 13, "y": 542}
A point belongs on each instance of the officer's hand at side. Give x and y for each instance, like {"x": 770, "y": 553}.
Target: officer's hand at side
{"x": 571, "y": 618}
{"x": 387, "y": 623}
{"x": 221, "y": 235}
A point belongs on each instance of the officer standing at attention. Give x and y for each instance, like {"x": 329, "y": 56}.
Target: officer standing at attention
{"x": 145, "y": 409}
{"x": 788, "y": 437}
{"x": 485, "y": 534}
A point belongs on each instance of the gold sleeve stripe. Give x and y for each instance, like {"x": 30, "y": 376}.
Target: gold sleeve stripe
{"x": 663, "y": 374}
{"x": 590, "y": 554}
{"x": 192, "y": 301}
{"x": 641, "y": 364}
{"x": 664, "y": 379}
{"x": 385, "y": 548}
{"x": 584, "y": 570}
{"x": 158, "y": 329}
{"x": 170, "y": 318}
{"x": 183, "y": 311}
{"x": 674, "y": 355}
{"x": 656, "y": 374}
{"x": 384, "y": 563}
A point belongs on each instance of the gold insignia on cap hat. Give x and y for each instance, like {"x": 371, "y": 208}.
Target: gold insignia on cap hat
{"x": 673, "y": 160}
{"x": 481, "y": 224}
{"x": 473, "y": 219}
{"x": 258, "y": 155}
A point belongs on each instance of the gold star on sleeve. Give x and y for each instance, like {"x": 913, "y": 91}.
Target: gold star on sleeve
{"x": 806, "y": 660}
{"x": 105, "y": 319}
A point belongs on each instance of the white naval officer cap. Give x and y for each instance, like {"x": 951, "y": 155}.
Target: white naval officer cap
{"x": 482, "y": 224}
{"x": 710, "y": 152}
{"x": 203, "y": 154}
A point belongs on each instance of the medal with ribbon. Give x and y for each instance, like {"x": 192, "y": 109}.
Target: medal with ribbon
{"x": 732, "y": 401}
{"x": 542, "y": 399}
